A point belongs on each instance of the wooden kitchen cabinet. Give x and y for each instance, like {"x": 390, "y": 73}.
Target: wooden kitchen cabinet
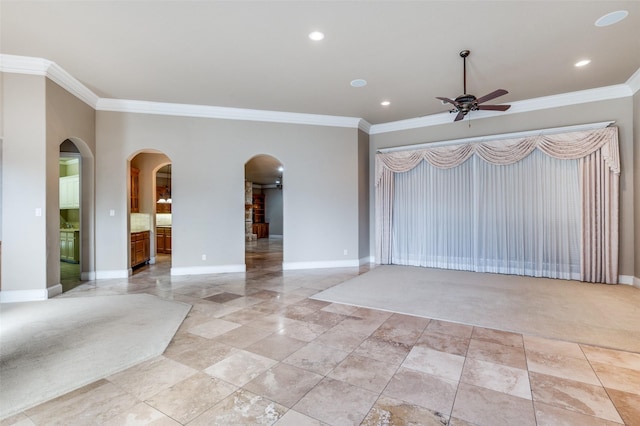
{"x": 261, "y": 230}
{"x": 140, "y": 248}
{"x": 258, "y": 208}
{"x": 135, "y": 190}
{"x": 163, "y": 239}
{"x": 259, "y": 227}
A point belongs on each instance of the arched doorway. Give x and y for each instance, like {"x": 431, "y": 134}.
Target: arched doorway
{"x": 150, "y": 214}
{"x": 75, "y": 214}
{"x": 264, "y": 217}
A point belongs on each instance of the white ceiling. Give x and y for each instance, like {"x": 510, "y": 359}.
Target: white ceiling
{"x": 257, "y": 54}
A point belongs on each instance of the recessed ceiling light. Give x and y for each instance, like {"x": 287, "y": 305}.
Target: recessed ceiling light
{"x": 385, "y": 103}
{"x": 582, "y": 63}
{"x": 611, "y": 18}
{"x": 359, "y": 82}
{"x": 280, "y": 169}
{"x": 316, "y": 36}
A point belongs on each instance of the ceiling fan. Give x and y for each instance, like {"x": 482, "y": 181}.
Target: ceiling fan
{"x": 465, "y": 103}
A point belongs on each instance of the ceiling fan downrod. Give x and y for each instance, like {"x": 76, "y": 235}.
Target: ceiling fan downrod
{"x": 464, "y": 55}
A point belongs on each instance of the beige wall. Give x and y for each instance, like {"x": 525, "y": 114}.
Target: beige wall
{"x": 67, "y": 117}
{"x": 208, "y": 158}
{"x": 636, "y": 174}
{"x": 38, "y": 117}
{"x": 620, "y": 110}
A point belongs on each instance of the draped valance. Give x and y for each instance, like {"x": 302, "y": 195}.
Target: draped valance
{"x": 565, "y": 146}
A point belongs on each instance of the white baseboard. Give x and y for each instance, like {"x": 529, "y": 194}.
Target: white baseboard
{"x": 88, "y": 276}
{"x": 152, "y": 260}
{"x": 289, "y": 266}
{"x": 200, "y": 270}
{"x": 12, "y": 296}
{"x": 116, "y": 273}
{"x": 367, "y": 260}
{"x": 53, "y": 291}
{"x": 625, "y": 279}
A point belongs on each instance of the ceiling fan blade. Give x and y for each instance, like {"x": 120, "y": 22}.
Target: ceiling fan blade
{"x": 459, "y": 117}
{"x": 451, "y": 101}
{"x": 491, "y": 95}
{"x": 494, "y": 107}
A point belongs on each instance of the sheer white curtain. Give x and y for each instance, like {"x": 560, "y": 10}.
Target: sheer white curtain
{"x": 542, "y": 206}
{"x": 521, "y": 218}
{"x": 433, "y": 218}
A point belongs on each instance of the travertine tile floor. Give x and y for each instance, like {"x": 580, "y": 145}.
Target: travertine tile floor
{"x": 256, "y": 350}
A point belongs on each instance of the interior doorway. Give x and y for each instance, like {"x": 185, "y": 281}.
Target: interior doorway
{"x": 70, "y": 205}
{"x": 150, "y": 210}
{"x": 264, "y": 219}
{"x": 164, "y": 202}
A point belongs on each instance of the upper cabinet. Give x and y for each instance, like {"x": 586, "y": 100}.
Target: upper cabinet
{"x": 70, "y": 192}
{"x": 135, "y": 190}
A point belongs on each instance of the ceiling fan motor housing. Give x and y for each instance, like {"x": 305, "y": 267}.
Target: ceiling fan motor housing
{"x": 466, "y": 103}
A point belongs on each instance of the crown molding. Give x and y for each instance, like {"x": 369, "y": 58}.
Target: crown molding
{"x": 364, "y": 125}
{"x": 72, "y": 85}
{"x": 634, "y": 82}
{"x": 225, "y": 113}
{"x": 39, "y": 66}
{"x": 545, "y": 102}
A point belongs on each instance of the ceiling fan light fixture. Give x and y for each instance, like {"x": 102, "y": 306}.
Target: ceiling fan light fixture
{"x": 611, "y": 18}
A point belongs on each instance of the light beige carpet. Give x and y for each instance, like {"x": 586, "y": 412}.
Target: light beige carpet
{"x": 597, "y": 314}
{"x": 51, "y": 347}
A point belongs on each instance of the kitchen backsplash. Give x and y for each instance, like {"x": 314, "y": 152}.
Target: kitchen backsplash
{"x": 163, "y": 219}
{"x": 140, "y": 222}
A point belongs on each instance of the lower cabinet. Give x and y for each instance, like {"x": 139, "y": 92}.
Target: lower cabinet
{"x": 163, "y": 239}
{"x": 140, "y": 248}
{"x": 70, "y": 246}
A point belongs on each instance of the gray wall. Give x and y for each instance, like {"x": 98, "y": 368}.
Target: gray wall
{"x": 24, "y": 251}
{"x": 620, "y": 110}
{"x": 363, "y": 197}
{"x": 208, "y": 158}
{"x": 274, "y": 210}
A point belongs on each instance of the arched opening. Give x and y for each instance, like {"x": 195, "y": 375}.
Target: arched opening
{"x": 264, "y": 219}
{"x": 150, "y": 210}
{"x": 75, "y": 215}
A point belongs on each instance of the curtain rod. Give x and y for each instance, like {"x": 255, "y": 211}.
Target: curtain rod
{"x": 478, "y": 139}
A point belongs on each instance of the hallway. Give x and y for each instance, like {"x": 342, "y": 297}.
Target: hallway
{"x": 255, "y": 349}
